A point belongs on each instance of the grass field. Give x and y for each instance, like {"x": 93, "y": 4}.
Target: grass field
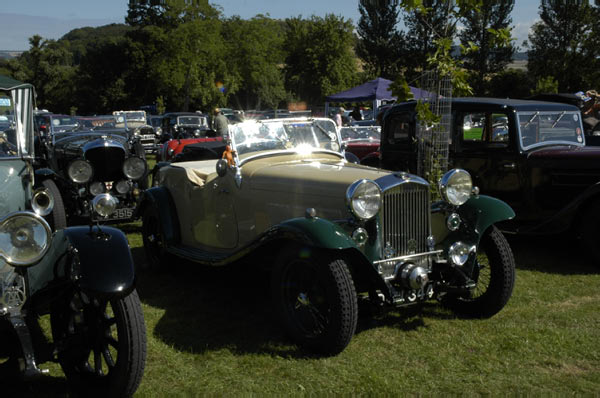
{"x": 212, "y": 331}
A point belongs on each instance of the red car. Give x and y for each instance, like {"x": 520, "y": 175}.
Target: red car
{"x": 361, "y": 140}
{"x": 172, "y": 148}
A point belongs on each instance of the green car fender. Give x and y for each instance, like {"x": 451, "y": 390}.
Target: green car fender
{"x": 317, "y": 232}
{"x": 483, "y": 211}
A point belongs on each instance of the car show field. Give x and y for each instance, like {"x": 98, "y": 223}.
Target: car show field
{"x": 207, "y": 335}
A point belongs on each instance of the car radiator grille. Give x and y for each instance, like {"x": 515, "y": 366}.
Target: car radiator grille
{"x": 405, "y": 220}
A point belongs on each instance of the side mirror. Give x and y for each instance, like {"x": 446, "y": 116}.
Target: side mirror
{"x": 222, "y": 167}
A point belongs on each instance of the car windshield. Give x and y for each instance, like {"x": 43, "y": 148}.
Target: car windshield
{"x": 299, "y": 135}
{"x": 550, "y": 128}
{"x": 191, "y": 120}
{"x": 363, "y": 133}
{"x": 102, "y": 122}
{"x": 8, "y": 132}
{"x": 62, "y": 123}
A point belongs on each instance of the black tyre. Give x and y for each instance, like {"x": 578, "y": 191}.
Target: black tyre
{"x": 102, "y": 344}
{"x": 314, "y": 295}
{"x": 58, "y": 218}
{"x": 153, "y": 238}
{"x": 495, "y": 277}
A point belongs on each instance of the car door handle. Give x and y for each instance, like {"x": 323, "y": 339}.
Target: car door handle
{"x": 510, "y": 166}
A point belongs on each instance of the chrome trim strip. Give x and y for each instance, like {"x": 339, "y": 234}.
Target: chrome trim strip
{"x": 409, "y": 256}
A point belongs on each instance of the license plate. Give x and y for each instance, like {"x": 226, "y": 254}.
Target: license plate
{"x": 119, "y": 214}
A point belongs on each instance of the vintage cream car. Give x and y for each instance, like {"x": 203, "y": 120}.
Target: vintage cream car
{"x": 332, "y": 231}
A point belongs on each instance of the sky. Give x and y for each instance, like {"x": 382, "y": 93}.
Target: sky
{"x": 21, "y": 19}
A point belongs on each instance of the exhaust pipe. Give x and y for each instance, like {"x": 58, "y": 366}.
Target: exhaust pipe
{"x": 42, "y": 202}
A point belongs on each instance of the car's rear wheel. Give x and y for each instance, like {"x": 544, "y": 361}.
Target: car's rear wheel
{"x": 314, "y": 295}
{"x": 58, "y": 218}
{"x": 152, "y": 237}
{"x": 494, "y": 274}
{"x": 102, "y": 344}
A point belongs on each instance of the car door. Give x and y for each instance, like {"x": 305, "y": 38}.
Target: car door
{"x": 222, "y": 228}
{"x": 484, "y": 145}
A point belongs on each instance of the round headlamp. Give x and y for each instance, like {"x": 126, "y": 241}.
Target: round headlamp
{"x": 96, "y": 188}
{"x": 456, "y": 186}
{"x": 80, "y": 171}
{"x": 364, "y": 199}
{"x": 122, "y": 187}
{"x": 459, "y": 253}
{"x": 104, "y": 204}
{"x": 134, "y": 168}
{"x": 24, "y": 238}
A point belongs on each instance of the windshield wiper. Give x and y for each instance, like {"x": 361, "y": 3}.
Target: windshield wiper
{"x": 531, "y": 119}
{"x": 558, "y": 118}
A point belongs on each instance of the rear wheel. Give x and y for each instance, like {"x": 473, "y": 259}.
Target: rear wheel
{"x": 314, "y": 295}
{"x": 494, "y": 274}
{"x": 102, "y": 344}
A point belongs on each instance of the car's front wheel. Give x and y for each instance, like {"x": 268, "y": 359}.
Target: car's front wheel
{"x": 57, "y": 219}
{"x": 314, "y": 295}
{"x": 102, "y": 344}
{"x": 494, "y": 274}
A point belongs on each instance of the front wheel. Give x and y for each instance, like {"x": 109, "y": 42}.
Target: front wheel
{"x": 152, "y": 237}
{"x": 494, "y": 274}
{"x": 102, "y": 344}
{"x": 314, "y": 295}
{"x": 57, "y": 219}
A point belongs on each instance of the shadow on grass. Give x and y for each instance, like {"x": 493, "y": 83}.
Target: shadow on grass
{"x": 210, "y": 308}
{"x": 45, "y": 386}
{"x": 557, "y": 254}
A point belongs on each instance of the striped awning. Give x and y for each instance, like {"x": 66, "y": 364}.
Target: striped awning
{"x": 22, "y": 97}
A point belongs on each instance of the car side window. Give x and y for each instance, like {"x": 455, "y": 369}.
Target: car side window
{"x": 485, "y": 128}
{"x": 399, "y": 129}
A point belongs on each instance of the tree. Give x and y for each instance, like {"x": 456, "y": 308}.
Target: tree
{"x": 490, "y": 55}
{"x": 557, "y": 43}
{"x": 428, "y": 24}
{"x": 320, "y": 60}
{"x": 379, "y": 39}
{"x": 255, "y": 58}
{"x": 168, "y": 14}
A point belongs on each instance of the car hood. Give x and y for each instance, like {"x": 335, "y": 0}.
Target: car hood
{"x": 566, "y": 156}
{"x": 323, "y": 176}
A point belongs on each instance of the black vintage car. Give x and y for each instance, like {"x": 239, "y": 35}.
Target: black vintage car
{"x": 531, "y": 154}
{"x": 67, "y": 297}
{"x": 103, "y": 163}
{"x": 178, "y": 125}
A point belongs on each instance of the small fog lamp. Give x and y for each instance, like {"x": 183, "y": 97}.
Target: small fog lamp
{"x": 459, "y": 253}
{"x": 104, "y": 204}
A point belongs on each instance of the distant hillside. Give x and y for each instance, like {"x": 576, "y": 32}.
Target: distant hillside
{"x": 522, "y": 56}
{"x": 6, "y": 54}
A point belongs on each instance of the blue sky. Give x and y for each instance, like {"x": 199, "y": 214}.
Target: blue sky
{"x": 21, "y": 19}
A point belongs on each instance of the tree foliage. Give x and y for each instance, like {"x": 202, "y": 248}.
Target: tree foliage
{"x": 557, "y": 43}
{"x": 379, "y": 44}
{"x": 487, "y": 55}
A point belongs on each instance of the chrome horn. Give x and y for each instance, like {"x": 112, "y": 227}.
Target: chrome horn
{"x": 42, "y": 202}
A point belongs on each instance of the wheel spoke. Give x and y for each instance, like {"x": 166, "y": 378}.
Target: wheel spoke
{"x": 108, "y": 358}
{"x": 113, "y": 342}
{"x": 98, "y": 363}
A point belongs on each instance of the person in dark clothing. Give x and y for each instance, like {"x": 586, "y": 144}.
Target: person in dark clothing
{"x": 220, "y": 124}
{"x": 356, "y": 115}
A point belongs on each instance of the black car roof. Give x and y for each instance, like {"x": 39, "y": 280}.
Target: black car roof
{"x": 514, "y": 104}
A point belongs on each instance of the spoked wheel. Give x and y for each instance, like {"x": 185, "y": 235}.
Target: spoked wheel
{"x": 101, "y": 344}
{"x": 315, "y": 297}
{"x": 154, "y": 244}
{"x": 494, "y": 274}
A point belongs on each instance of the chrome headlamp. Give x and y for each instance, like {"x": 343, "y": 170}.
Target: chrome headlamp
{"x": 104, "y": 204}
{"x": 456, "y": 186}
{"x": 134, "y": 168}
{"x": 80, "y": 171}
{"x": 24, "y": 238}
{"x": 364, "y": 199}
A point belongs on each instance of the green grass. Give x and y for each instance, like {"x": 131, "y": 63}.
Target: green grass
{"x": 212, "y": 331}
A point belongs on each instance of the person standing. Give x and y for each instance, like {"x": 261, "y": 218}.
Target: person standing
{"x": 220, "y": 124}
{"x": 338, "y": 117}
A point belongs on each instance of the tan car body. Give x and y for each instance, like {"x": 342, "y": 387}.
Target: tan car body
{"x": 215, "y": 213}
